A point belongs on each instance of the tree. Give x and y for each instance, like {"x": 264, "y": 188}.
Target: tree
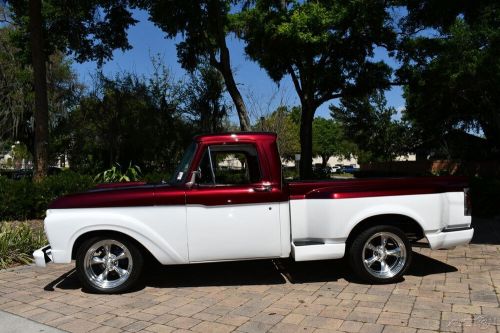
{"x": 452, "y": 73}
{"x": 282, "y": 122}
{"x": 205, "y": 102}
{"x": 90, "y": 30}
{"x": 204, "y": 26}
{"x": 127, "y": 119}
{"x": 370, "y": 124}
{"x": 326, "y": 48}
{"x": 329, "y": 140}
{"x": 17, "y": 97}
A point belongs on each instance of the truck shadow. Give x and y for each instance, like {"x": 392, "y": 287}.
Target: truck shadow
{"x": 255, "y": 272}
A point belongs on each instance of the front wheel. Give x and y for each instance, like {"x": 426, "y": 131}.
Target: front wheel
{"x": 108, "y": 264}
{"x": 380, "y": 254}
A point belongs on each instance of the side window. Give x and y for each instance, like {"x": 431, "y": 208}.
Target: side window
{"x": 230, "y": 165}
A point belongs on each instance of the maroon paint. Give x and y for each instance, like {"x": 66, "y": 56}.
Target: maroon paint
{"x": 359, "y": 188}
{"x": 270, "y": 164}
{"x": 166, "y": 195}
{"x": 265, "y": 144}
{"x": 232, "y": 195}
{"x": 140, "y": 194}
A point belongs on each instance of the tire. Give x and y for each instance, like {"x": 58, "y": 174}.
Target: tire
{"x": 375, "y": 263}
{"x": 119, "y": 256}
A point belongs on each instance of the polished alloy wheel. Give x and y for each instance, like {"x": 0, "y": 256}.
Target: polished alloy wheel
{"x": 108, "y": 264}
{"x": 384, "y": 255}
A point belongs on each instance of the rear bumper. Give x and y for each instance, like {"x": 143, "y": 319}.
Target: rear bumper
{"x": 42, "y": 256}
{"x": 445, "y": 239}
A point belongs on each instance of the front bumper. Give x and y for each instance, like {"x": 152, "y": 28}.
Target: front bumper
{"x": 446, "y": 239}
{"x": 42, "y": 256}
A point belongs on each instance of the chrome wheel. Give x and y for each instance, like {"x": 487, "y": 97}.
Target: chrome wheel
{"x": 384, "y": 255}
{"x": 108, "y": 264}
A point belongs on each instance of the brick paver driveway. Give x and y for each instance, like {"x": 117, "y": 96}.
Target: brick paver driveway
{"x": 449, "y": 290}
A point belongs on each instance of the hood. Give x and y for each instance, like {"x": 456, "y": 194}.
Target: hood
{"x": 121, "y": 195}
{"x": 108, "y": 195}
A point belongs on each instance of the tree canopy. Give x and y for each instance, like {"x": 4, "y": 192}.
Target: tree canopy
{"x": 452, "y": 69}
{"x": 370, "y": 124}
{"x": 330, "y": 140}
{"x": 204, "y": 26}
{"x": 325, "y": 46}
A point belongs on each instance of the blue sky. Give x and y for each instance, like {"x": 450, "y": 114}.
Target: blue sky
{"x": 261, "y": 94}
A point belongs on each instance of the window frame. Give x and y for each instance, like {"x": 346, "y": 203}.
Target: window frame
{"x": 231, "y": 148}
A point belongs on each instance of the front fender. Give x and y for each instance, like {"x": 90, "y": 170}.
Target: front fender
{"x": 161, "y": 230}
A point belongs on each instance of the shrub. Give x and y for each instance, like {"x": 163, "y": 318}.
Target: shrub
{"x": 156, "y": 177}
{"x": 17, "y": 243}
{"x": 116, "y": 175}
{"x": 22, "y": 199}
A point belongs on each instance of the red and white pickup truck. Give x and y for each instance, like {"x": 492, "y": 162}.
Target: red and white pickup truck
{"x": 227, "y": 200}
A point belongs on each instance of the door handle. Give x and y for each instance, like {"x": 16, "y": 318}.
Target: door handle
{"x": 263, "y": 188}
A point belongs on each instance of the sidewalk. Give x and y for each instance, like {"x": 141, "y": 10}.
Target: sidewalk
{"x": 14, "y": 324}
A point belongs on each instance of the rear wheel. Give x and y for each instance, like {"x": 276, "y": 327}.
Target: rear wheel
{"x": 380, "y": 254}
{"x": 108, "y": 264}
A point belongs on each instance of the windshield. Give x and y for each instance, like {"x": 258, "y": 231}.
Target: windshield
{"x": 180, "y": 174}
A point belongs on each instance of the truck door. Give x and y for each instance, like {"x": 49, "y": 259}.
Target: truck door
{"x": 231, "y": 212}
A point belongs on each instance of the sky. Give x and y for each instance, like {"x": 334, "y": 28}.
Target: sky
{"x": 261, "y": 94}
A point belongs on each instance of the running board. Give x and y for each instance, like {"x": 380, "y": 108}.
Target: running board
{"x": 318, "y": 251}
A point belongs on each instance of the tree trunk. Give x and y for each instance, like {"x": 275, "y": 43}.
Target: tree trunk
{"x": 306, "y": 121}
{"x": 232, "y": 88}
{"x": 41, "y": 113}
{"x": 324, "y": 160}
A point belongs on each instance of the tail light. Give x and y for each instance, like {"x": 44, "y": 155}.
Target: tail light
{"x": 467, "y": 202}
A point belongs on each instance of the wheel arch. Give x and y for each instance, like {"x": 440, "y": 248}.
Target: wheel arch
{"x": 109, "y": 233}
{"x": 412, "y": 229}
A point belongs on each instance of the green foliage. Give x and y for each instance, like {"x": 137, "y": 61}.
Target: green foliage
{"x": 203, "y": 27}
{"x": 329, "y": 140}
{"x": 156, "y": 177}
{"x": 16, "y": 96}
{"x": 370, "y": 124}
{"x": 24, "y": 199}
{"x": 284, "y": 39}
{"x": 116, "y": 175}
{"x": 283, "y": 123}
{"x": 201, "y": 23}
{"x": 325, "y": 46}
{"x": 89, "y": 30}
{"x": 17, "y": 99}
{"x": 127, "y": 119}
{"x": 206, "y": 105}
{"x": 17, "y": 243}
{"x": 453, "y": 73}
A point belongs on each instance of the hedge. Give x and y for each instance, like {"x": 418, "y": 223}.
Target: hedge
{"x": 23, "y": 199}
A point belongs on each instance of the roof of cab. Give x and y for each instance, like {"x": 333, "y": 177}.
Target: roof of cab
{"x": 235, "y": 137}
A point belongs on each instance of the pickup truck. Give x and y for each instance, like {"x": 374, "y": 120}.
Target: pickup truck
{"x": 227, "y": 200}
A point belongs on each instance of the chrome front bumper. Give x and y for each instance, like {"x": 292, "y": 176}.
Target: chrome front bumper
{"x": 42, "y": 256}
